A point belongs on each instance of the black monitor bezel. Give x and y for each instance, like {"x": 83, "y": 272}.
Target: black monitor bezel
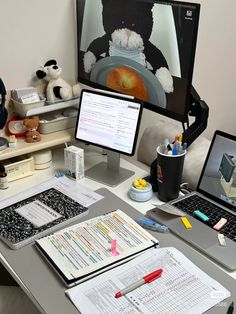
{"x": 174, "y": 115}
{"x": 214, "y": 198}
{"x": 113, "y": 95}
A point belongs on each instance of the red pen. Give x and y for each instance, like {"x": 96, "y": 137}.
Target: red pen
{"x": 146, "y": 279}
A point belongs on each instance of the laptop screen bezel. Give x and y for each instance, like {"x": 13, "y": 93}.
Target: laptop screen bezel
{"x": 210, "y": 196}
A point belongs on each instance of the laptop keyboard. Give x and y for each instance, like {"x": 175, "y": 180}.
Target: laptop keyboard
{"x": 212, "y": 211}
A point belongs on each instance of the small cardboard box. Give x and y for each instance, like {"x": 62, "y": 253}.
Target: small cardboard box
{"x": 19, "y": 167}
{"x": 74, "y": 162}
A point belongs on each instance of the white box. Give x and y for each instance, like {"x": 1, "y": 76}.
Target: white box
{"x": 74, "y": 162}
{"x": 19, "y": 167}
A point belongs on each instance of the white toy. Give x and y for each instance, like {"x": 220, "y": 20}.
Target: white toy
{"x": 57, "y": 88}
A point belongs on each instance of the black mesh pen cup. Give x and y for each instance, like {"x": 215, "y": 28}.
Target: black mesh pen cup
{"x": 169, "y": 174}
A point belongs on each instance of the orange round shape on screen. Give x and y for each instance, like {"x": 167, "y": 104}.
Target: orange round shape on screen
{"x": 127, "y": 81}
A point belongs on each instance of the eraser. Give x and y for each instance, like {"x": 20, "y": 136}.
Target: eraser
{"x": 220, "y": 224}
{"x": 221, "y": 239}
{"x": 186, "y": 223}
{"x": 200, "y": 215}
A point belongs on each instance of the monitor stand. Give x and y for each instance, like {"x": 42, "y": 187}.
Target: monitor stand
{"x": 110, "y": 173}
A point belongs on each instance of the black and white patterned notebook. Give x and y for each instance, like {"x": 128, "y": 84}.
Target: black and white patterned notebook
{"x": 37, "y": 216}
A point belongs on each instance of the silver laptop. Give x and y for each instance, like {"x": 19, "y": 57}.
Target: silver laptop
{"x": 211, "y": 210}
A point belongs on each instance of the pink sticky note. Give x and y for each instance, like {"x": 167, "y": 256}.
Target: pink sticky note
{"x": 113, "y": 248}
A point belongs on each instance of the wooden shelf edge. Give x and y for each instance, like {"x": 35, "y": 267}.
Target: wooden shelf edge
{"x": 48, "y": 141}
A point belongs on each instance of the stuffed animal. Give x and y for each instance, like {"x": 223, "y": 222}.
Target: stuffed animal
{"x": 128, "y": 26}
{"x": 57, "y": 88}
{"x": 32, "y": 135}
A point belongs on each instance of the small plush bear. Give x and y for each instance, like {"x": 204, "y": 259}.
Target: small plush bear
{"x": 128, "y": 26}
{"x": 32, "y": 135}
{"x": 57, "y": 88}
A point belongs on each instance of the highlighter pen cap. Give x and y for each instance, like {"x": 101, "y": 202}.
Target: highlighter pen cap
{"x": 118, "y": 295}
{"x": 153, "y": 276}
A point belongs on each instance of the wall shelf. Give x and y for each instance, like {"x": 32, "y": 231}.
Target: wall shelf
{"x": 48, "y": 140}
{"x": 24, "y": 112}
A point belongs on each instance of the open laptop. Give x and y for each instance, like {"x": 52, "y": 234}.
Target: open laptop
{"x": 216, "y": 187}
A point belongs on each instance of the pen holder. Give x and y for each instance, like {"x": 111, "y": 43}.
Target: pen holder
{"x": 169, "y": 174}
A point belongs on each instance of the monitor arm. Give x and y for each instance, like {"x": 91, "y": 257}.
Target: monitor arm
{"x": 198, "y": 109}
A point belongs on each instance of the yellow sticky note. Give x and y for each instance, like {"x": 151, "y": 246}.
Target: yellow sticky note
{"x": 186, "y": 223}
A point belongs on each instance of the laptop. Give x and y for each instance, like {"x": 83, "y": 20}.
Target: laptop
{"x": 211, "y": 209}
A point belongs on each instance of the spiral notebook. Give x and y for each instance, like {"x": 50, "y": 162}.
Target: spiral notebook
{"x": 36, "y": 216}
{"x": 84, "y": 250}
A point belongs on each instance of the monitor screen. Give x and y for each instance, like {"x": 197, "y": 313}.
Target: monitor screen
{"x": 143, "y": 48}
{"x": 108, "y": 121}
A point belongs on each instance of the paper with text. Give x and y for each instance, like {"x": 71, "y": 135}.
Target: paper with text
{"x": 71, "y": 188}
{"x": 84, "y": 248}
{"x": 182, "y": 288}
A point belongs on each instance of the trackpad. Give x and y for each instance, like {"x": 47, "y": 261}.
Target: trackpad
{"x": 200, "y": 235}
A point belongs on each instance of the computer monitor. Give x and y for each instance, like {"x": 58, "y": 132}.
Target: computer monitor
{"x": 144, "y": 48}
{"x": 111, "y": 122}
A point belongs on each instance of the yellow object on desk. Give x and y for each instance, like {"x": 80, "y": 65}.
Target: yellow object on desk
{"x": 186, "y": 223}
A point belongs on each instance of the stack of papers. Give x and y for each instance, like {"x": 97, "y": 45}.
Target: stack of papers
{"x": 182, "y": 288}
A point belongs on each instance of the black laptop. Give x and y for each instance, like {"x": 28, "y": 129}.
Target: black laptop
{"x": 211, "y": 210}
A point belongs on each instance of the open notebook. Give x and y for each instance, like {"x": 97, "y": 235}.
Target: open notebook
{"x": 91, "y": 247}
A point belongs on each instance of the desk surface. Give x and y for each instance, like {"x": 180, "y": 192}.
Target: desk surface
{"x": 43, "y": 285}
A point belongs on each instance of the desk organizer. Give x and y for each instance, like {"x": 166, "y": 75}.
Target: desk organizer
{"x": 19, "y": 167}
{"x": 57, "y": 120}
{"x": 22, "y": 109}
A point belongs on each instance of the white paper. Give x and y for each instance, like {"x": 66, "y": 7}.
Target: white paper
{"x": 78, "y": 192}
{"x": 38, "y": 213}
{"x": 182, "y": 288}
{"x": 75, "y": 190}
{"x": 83, "y": 248}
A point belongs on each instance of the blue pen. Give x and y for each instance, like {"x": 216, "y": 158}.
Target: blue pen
{"x": 175, "y": 150}
{"x": 184, "y": 147}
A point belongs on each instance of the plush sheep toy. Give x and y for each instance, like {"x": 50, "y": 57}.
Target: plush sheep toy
{"x": 57, "y": 88}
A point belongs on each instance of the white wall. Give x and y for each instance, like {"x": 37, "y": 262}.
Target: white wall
{"x": 33, "y": 31}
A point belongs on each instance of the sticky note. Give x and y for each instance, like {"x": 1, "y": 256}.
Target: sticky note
{"x": 200, "y": 215}
{"x": 186, "y": 223}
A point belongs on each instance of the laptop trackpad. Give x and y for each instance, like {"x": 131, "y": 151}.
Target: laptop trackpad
{"x": 200, "y": 235}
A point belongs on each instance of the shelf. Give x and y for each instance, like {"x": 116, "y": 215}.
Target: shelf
{"x": 46, "y": 108}
{"x": 48, "y": 140}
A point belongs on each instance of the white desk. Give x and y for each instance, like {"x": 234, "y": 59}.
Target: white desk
{"x": 42, "y": 285}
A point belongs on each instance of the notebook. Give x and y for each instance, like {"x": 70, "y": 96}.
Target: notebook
{"x": 84, "y": 250}
{"x": 211, "y": 209}
{"x": 36, "y": 216}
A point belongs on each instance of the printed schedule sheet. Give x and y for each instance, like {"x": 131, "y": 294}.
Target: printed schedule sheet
{"x": 182, "y": 288}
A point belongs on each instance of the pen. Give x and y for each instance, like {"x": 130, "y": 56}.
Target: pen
{"x": 231, "y": 308}
{"x": 146, "y": 279}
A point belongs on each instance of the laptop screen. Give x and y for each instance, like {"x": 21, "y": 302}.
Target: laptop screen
{"x": 218, "y": 177}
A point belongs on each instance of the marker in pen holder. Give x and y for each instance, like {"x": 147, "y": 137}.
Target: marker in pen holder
{"x": 169, "y": 174}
